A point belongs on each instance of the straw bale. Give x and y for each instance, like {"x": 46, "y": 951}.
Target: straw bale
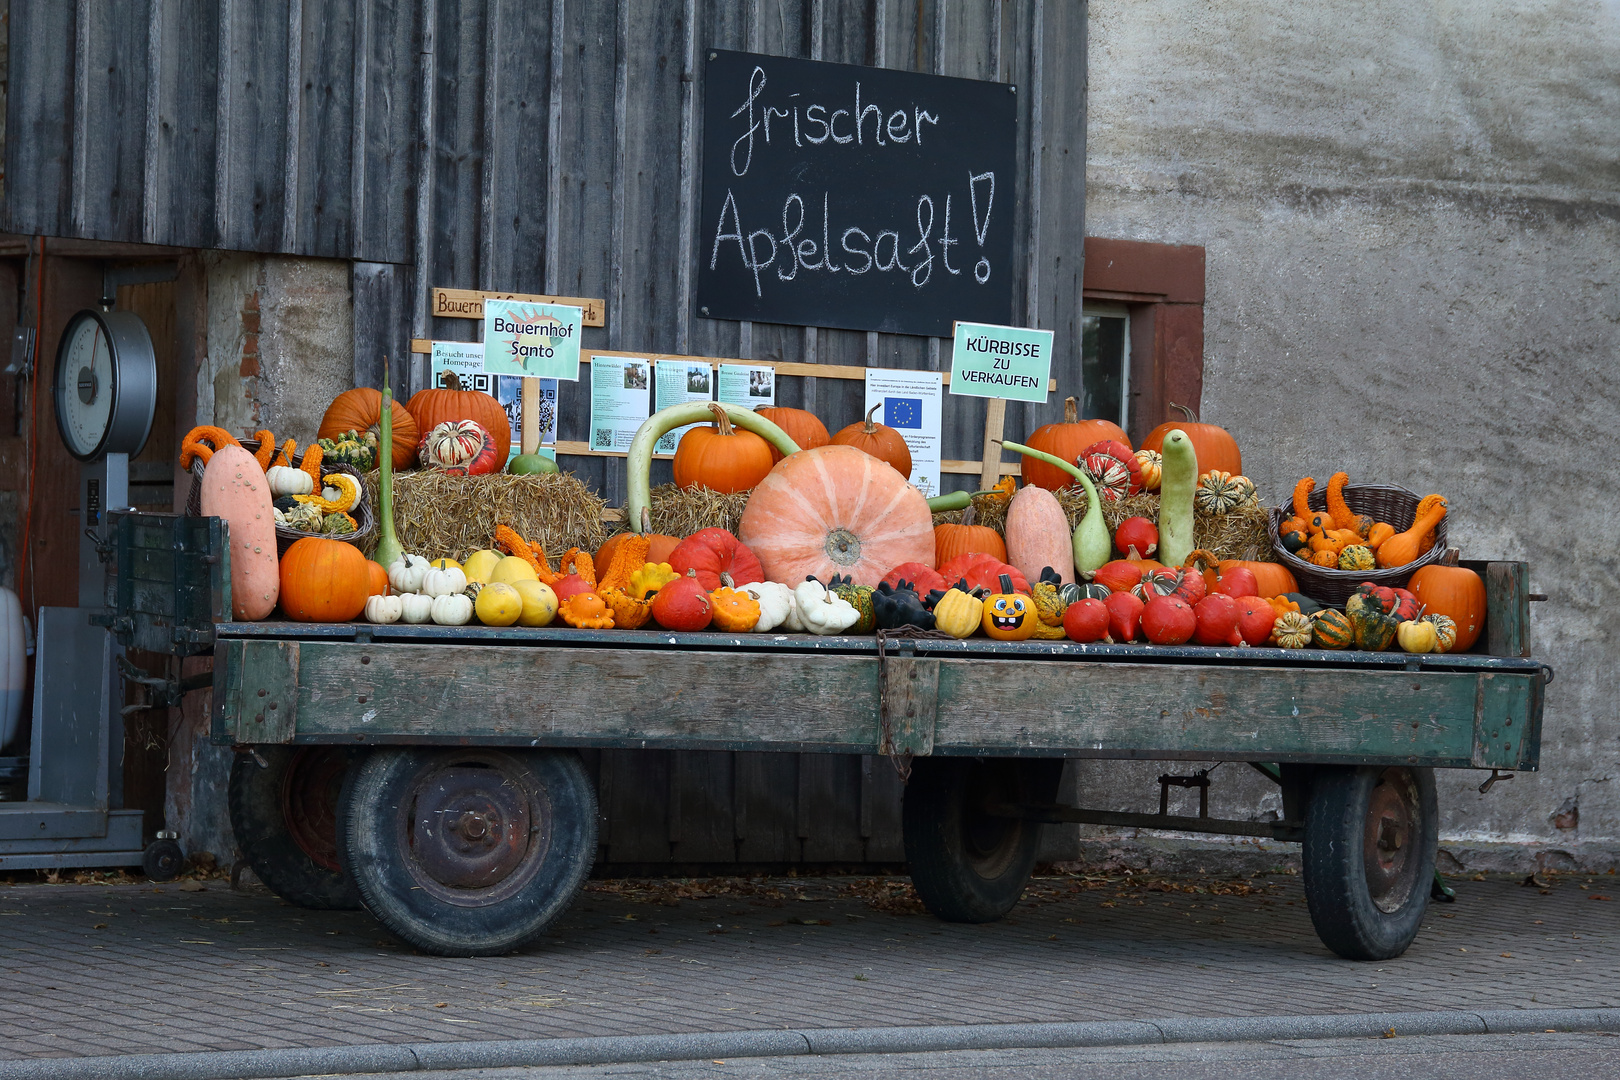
{"x": 439, "y": 515}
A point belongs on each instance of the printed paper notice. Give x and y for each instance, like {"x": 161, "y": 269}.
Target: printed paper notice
{"x": 748, "y": 386}
{"x": 911, "y": 404}
{"x": 532, "y": 339}
{"x": 619, "y": 398}
{"x": 677, "y": 382}
{"x": 1001, "y": 362}
{"x": 466, "y": 359}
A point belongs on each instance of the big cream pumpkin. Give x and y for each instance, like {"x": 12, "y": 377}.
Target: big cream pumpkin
{"x": 1038, "y": 534}
{"x": 234, "y": 489}
{"x": 836, "y": 510}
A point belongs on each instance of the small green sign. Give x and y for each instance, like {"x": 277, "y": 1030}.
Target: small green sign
{"x": 532, "y": 340}
{"x": 1001, "y": 362}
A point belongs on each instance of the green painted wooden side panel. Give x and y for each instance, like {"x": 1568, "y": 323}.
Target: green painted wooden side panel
{"x": 629, "y": 698}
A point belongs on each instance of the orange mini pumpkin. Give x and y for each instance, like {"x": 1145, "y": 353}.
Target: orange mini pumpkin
{"x": 883, "y": 443}
{"x": 1008, "y": 615}
{"x": 721, "y": 458}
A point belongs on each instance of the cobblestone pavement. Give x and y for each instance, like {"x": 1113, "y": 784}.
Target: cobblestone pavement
{"x": 137, "y": 968}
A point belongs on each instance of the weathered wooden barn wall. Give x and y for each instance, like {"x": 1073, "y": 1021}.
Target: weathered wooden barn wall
{"x": 542, "y": 146}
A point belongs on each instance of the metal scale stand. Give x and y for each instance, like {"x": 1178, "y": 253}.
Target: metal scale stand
{"x": 105, "y": 391}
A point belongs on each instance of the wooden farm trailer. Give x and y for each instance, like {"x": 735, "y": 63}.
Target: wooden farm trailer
{"x": 429, "y": 772}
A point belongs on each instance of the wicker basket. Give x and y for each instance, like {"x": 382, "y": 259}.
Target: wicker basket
{"x": 1381, "y": 502}
{"x": 365, "y": 519}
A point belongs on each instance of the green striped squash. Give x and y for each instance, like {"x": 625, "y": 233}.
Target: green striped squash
{"x": 1332, "y": 629}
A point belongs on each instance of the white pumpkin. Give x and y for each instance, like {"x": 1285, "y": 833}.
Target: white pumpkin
{"x": 452, "y": 609}
{"x": 776, "y": 606}
{"x": 442, "y": 581}
{"x": 384, "y": 609}
{"x": 823, "y": 612}
{"x": 406, "y": 574}
{"x": 415, "y": 608}
{"x": 285, "y": 480}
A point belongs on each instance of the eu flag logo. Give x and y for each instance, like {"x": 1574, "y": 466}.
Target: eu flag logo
{"x": 902, "y": 412}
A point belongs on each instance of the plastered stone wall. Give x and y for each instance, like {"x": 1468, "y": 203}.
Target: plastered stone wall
{"x": 280, "y": 342}
{"x": 1412, "y": 222}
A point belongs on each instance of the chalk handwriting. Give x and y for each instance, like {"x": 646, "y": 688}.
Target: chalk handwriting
{"x": 819, "y": 126}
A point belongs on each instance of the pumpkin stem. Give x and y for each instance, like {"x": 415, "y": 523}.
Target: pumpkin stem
{"x": 1188, "y": 413}
{"x": 722, "y": 422}
{"x": 450, "y": 380}
{"x": 871, "y": 428}
{"x": 1450, "y": 557}
{"x": 1071, "y": 411}
{"x": 968, "y": 515}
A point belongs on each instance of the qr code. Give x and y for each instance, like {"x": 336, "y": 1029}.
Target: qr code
{"x": 604, "y": 437}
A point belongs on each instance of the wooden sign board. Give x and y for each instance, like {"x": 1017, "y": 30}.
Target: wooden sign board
{"x": 469, "y": 304}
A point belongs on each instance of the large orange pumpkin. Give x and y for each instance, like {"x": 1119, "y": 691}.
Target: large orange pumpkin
{"x": 1066, "y": 440}
{"x": 451, "y": 403}
{"x": 1444, "y": 588}
{"x": 1272, "y": 578}
{"x": 720, "y": 457}
{"x": 836, "y": 510}
{"x": 361, "y": 410}
{"x": 324, "y": 581}
{"x": 953, "y": 540}
{"x": 1214, "y": 446}
{"x": 805, "y": 428}
{"x": 883, "y": 443}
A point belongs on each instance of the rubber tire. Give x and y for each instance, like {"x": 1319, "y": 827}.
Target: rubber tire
{"x": 377, "y": 846}
{"x": 259, "y": 821}
{"x": 966, "y": 866}
{"x": 162, "y": 860}
{"x": 1336, "y": 891}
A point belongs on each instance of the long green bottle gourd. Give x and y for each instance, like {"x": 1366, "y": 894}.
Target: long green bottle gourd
{"x": 1177, "y": 482}
{"x": 388, "y": 547}
{"x": 1092, "y": 544}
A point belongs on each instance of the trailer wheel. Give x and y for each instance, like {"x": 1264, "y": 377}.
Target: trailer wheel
{"x": 968, "y": 864}
{"x": 467, "y": 851}
{"x": 283, "y": 803}
{"x": 1371, "y": 834}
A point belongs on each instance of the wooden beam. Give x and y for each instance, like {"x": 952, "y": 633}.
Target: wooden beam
{"x": 469, "y": 304}
{"x": 995, "y": 422}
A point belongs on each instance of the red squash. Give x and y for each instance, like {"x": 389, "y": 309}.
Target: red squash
{"x": 713, "y": 552}
{"x": 924, "y": 577}
{"x": 571, "y": 585}
{"x": 1256, "y": 619}
{"x": 1086, "y": 620}
{"x": 1124, "y": 616}
{"x": 983, "y": 571}
{"x": 1167, "y": 620}
{"x": 1409, "y": 607}
{"x": 1138, "y": 533}
{"x": 1237, "y": 582}
{"x": 1216, "y": 616}
{"x": 683, "y": 604}
{"x": 1121, "y": 575}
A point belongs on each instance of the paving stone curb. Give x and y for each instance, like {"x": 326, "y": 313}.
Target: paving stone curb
{"x": 624, "y": 1049}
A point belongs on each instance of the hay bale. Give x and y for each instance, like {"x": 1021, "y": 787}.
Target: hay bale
{"x": 436, "y": 514}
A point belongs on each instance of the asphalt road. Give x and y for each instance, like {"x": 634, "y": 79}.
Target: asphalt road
{"x": 1439, "y": 1057}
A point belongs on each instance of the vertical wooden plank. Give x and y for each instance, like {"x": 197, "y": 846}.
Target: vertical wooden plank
{"x": 764, "y": 807}
{"x": 882, "y": 796}
{"x": 1507, "y": 606}
{"x": 554, "y": 104}
{"x": 684, "y": 247}
{"x": 155, "y": 77}
{"x": 829, "y": 810}
{"x": 634, "y": 797}
{"x": 39, "y": 131}
{"x": 423, "y": 248}
{"x": 459, "y": 149}
{"x": 111, "y": 120}
{"x": 328, "y": 152}
{"x": 294, "y": 126}
{"x": 392, "y": 124}
{"x": 253, "y": 68}
{"x": 518, "y": 155}
{"x": 702, "y": 828}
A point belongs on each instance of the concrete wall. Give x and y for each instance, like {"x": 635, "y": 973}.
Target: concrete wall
{"x": 1412, "y": 218}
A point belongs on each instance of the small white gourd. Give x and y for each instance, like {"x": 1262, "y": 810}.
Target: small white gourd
{"x": 452, "y": 609}
{"x": 284, "y": 480}
{"x": 384, "y": 609}
{"x": 415, "y": 608}
{"x": 444, "y": 581}
{"x": 823, "y": 612}
{"x": 776, "y": 605}
{"x": 406, "y": 574}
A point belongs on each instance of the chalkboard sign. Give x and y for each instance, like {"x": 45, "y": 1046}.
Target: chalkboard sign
{"x": 855, "y": 197}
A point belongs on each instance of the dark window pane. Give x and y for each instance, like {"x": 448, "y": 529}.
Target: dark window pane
{"x": 1102, "y": 367}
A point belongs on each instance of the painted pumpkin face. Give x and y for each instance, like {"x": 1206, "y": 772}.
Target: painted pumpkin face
{"x": 1009, "y": 616}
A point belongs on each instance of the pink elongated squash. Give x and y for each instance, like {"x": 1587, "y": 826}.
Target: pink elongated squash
{"x": 1038, "y": 534}
{"x": 234, "y": 488}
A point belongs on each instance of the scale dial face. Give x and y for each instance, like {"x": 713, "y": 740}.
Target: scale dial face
{"x": 106, "y": 384}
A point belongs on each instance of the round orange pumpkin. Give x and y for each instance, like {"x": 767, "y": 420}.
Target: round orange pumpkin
{"x": 1214, "y": 446}
{"x": 452, "y": 404}
{"x": 720, "y": 457}
{"x": 805, "y": 428}
{"x": 1067, "y": 441}
{"x": 361, "y": 410}
{"x": 323, "y": 581}
{"x": 1454, "y": 591}
{"x": 883, "y": 443}
{"x": 953, "y": 540}
{"x": 836, "y": 510}
{"x": 378, "y": 583}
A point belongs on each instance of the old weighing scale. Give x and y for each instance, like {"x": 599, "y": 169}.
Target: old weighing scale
{"x": 105, "y": 392}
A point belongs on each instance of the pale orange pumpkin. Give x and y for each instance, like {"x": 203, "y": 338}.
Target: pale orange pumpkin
{"x": 836, "y": 510}
{"x": 720, "y": 457}
{"x": 883, "y": 443}
{"x": 804, "y": 428}
{"x": 324, "y": 581}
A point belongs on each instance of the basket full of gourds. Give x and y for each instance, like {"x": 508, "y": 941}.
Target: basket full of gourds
{"x": 1337, "y": 539}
